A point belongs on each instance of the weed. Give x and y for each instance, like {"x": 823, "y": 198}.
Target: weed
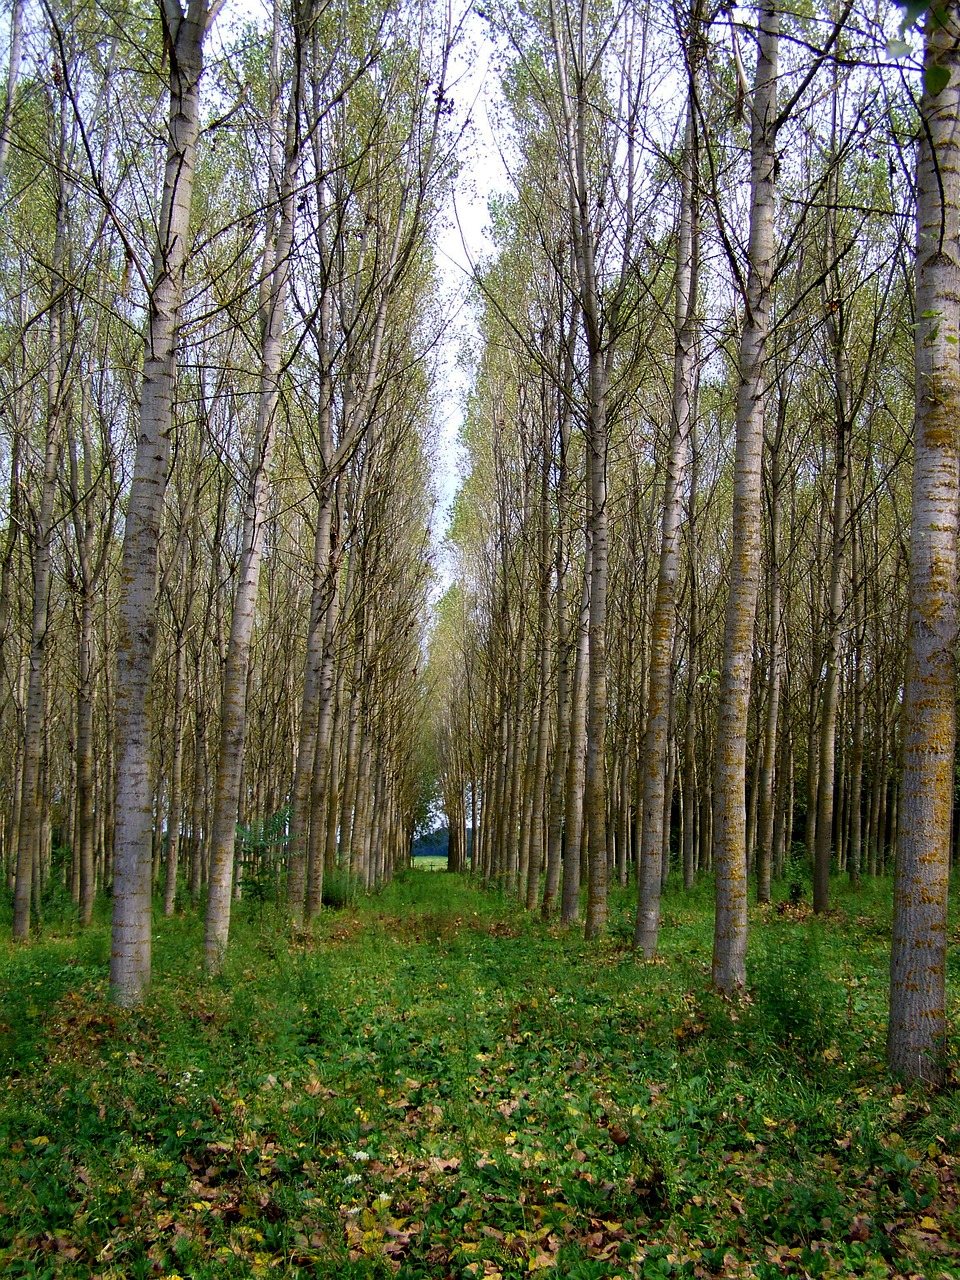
{"x": 341, "y": 888}
{"x": 795, "y": 1004}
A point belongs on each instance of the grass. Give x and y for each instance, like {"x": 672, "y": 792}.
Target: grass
{"x": 429, "y": 862}
{"x": 434, "y": 1084}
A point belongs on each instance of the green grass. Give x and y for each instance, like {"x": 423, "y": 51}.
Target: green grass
{"x": 435, "y": 1084}
{"x": 428, "y": 862}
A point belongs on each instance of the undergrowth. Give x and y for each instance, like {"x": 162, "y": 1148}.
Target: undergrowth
{"x": 432, "y": 1083}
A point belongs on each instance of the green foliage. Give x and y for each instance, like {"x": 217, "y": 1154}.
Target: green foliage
{"x": 436, "y": 1084}
{"x": 795, "y": 1002}
{"x": 260, "y": 856}
{"x": 341, "y": 888}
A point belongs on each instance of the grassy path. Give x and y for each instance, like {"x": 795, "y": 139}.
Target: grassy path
{"x": 435, "y": 1085}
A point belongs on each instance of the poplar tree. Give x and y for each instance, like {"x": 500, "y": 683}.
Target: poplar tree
{"x": 184, "y": 32}
{"x": 917, "y": 1033}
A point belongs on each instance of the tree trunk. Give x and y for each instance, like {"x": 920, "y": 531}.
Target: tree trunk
{"x": 539, "y": 788}
{"x": 836, "y": 311}
{"x": 561, "y": 754}
{"x": 659, "y": 699}
{"x": 276, "y": 271}
{"x": 854, "y": 854}
{"x": 176, "y": 778}
{"x": 691, "y": 798}
{"x": 573, "y": 804}
{"x": 768, "y": 791}
{"x": 130, "y": 950}
{"x": 13, "y": 76}
{"x": 595, "y": 767}
{"x": 729, "y": 836}
{"x": 917, "y": 1036}
{"x": 35, "y": 726}
{"x": 320, "y": 792}
{"x": 321, "y": 603}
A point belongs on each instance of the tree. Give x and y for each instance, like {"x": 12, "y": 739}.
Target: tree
{"x": 654, "y": 854}
{"x": 917, "y": 1030}
{"x": 729, "y": 854}
{"x": 274, "y": 274}
{"x": 57, "y": 408}
{"x": 184, "y": 33}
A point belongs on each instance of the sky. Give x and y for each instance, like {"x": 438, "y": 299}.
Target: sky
{"x": 463, "y": 240}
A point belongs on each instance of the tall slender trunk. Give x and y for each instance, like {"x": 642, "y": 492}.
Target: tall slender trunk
{"x": 336, "y": 763}
{"x": 836, "y": 312}
{"x": 573, "y": 806}
{"x": 321, "y": 602}
{"x": 690, "y": 788}
{"x": 13, "y": 77}
{"x": 85, "y": 523}
{"x": 601, "y": 307}
{"x": 360, "y": 836}
{"x": 184, "y": 33}
{"x": 564, "y": 667}
{"x": 351, "y": 761}
{"x": 539, "y": 779}
{"x": 768, "y": 769}
{"x": 783, "y": 815}
{"x": 32, "y": 793}
{"x": 855, "y": 852}
{"x": 729, "y": 833}
{"x": 659, "y": 698}
{"x": 916, "y": 1044}
{"x": 85, "y": 762}
{"x": 595, "y": 766}
{"x": 320, "y": 793}
{"x": 561, "y": 751}
{"x": 175, "y": 805}
{"x": 237, "y": 667}
{"x": 831, "y": 683}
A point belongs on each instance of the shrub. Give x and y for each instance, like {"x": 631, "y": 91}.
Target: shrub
{"x": 340, "y": 888}
{"x": 795, "y": 1003}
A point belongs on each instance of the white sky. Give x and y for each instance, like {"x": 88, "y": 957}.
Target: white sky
{"x": 463, "y": 239}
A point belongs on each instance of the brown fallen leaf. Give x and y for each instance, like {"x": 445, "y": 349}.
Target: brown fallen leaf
{"x": 859, "y": 1228}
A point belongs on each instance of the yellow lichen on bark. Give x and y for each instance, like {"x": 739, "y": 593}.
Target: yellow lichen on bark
{"x": 918, "y": 955}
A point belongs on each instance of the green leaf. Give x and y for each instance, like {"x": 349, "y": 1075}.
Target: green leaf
{"x": 935, "y": 79}
{"x": 898, "y": 49}
{"x": 913, "y": 11}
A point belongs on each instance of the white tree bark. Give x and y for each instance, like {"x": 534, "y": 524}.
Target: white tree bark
{"x": 916, "y": 1044}
{"x": 729, "y": 826}
{"x": 130, "y": 946}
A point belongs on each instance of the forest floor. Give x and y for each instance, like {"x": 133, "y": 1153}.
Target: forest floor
{"x": 434, "y": 1084}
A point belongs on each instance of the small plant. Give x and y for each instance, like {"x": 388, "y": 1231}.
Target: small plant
{"x": 260, "y": 855}
{"x": 795, "y": 1003}
{"x": 341, "y": 888}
